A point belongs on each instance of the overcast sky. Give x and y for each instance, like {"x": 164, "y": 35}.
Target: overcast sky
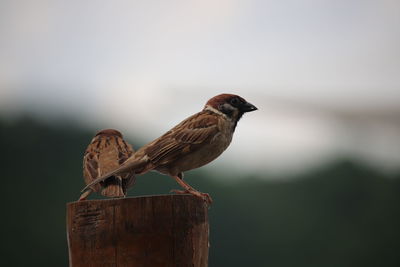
{"x": 324, "y": 74}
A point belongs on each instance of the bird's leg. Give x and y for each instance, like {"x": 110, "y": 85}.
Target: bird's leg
{"x": 190, "y": 190}
{"x": 180, "y": 176}
{"x": 85, "y": 195}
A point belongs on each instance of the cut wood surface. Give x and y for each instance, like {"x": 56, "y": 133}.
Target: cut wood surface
{"x": 149, "y": 231}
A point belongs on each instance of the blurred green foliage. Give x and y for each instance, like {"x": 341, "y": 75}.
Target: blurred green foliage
{"x": 342, "y": 214}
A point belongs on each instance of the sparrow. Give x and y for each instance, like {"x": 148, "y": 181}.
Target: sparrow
{"x": 194, "y": 142}
{"x": 106, "y": 152}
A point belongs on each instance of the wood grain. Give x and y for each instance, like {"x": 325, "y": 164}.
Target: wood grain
{"x": 167, "y": 230}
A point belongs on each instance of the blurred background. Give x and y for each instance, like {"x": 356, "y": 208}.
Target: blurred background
{"x": 311, "y": 179}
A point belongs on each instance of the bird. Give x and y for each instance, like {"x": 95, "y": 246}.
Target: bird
{"x": 105, "y": 153}
{"x": 193, "y": 143}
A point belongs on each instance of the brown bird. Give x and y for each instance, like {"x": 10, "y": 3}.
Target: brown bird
{"x": 193, "y": 143}
{"x": 107, "y": 151}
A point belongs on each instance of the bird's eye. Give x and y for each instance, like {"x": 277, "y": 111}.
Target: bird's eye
{"x": 234, "y": 101}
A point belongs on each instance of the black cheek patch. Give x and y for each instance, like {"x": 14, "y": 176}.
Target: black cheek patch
{"x": 228, "y": 112}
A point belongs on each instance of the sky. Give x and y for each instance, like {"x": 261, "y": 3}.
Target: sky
{"x": 324, "y": 74}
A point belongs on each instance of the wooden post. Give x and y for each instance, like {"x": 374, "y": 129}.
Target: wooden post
{"x": 150, "y": 231}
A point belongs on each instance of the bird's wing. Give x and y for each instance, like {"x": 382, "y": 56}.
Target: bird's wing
{"x": 125, "y": 150}
{"x": 115, "y": 152}
{"x": 184, "y": 138}
{"x": 131, "y": 163}
{"x": 128, "y": 179}
{"x": 91, "y": 166}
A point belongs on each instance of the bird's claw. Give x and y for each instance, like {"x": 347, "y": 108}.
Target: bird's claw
{"x": 204, "y": 196}
{"x": 207, "y": 198}
{"x": 176, "y": 191}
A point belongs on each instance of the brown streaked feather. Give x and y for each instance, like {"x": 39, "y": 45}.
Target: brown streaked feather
{"x": 110, "y": 132}
{"x": 125, "y": 151}
{"x": 134, "y": 165}
{"x": 107, "y": 151}
{"x": 90, "y": 164}
{"x": 112, "y": 187}
{"x": 129, "y": 180}
{"x": 184, "y": 138}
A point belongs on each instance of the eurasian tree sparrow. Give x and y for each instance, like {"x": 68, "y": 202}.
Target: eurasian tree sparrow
{"x": 106, "y": 152}
{"x": 191, "y": 144}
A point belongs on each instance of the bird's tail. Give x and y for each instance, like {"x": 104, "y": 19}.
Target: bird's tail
{"x": 113, "y": 187}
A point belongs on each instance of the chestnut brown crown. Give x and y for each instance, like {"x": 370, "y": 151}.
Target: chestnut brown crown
{"x": 109, "y": 132}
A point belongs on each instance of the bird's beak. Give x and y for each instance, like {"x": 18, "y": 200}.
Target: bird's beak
{"x": 247, "y": 107}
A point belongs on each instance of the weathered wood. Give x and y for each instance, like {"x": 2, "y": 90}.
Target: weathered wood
{"x": 168, "y": 230}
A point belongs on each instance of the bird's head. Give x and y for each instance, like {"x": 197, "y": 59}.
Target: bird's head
{"x": 109, "y": 132}
{"x": 232, "y": 106}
